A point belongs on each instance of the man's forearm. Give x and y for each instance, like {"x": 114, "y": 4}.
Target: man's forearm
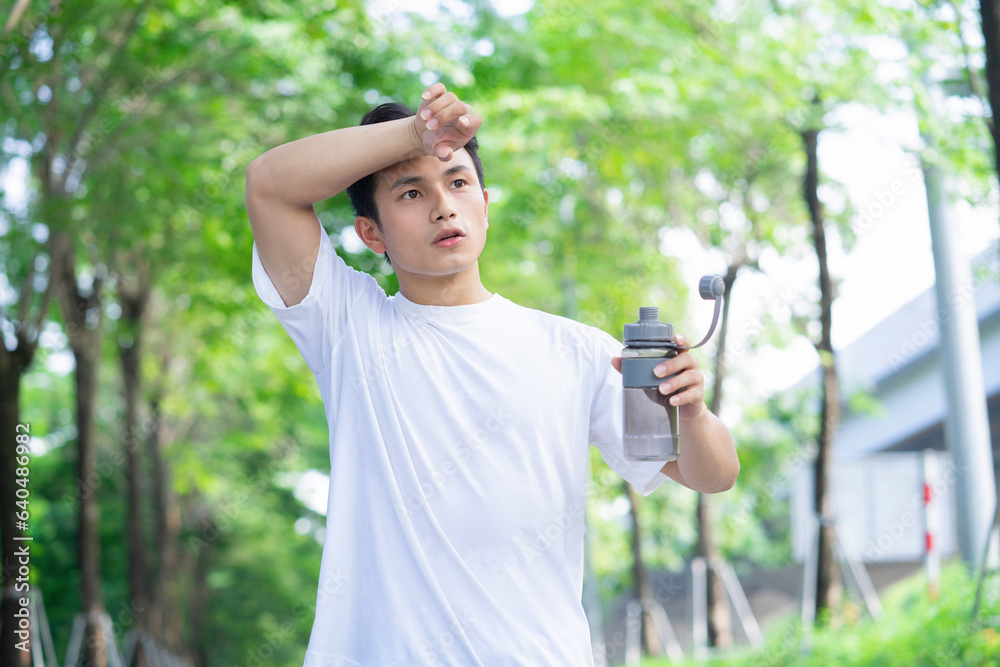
{"x": 303, "y": 172}
{"x": 708, "y": 461}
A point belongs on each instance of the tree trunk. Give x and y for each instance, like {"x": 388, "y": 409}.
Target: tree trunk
{"x": 13, "y": 436}
{"x": 990, "y": 12}
{"x": 199, "y": 599}
{"x": 134, "y": 296}
{"x": 87, "y": 359}
{"x": 720, "y": 625}
{"x": 168, "y": 527}
{"x": 84, "y": 318}
{"x": 651, "y": 643}
{"x": 828, "y": 585}
{"x": 12, "y": 367}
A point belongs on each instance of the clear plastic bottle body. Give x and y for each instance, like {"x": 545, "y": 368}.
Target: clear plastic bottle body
{"x": 651, "y": 426}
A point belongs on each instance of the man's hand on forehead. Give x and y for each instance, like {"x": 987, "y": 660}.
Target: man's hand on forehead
{"x": 444, "y": 123}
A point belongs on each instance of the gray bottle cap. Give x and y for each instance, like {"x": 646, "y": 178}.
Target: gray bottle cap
{"x": 649, "y": 330}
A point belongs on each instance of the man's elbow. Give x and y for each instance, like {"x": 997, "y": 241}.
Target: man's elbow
{"x": 728, "y": 480}
{"x": 257, "y": 179}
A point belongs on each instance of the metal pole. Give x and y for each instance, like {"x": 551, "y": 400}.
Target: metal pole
{"x": 666, "y": 631}
{"x": 740, "y": 603}
{"x": 932, "y": 523}
{"x": 592, "y": 603}
{"x": 699, "y": 608}
{"x": 809, "y": 567}
{"x": 966, "y": 422}
{"x": 849, "y": 554}
{"x": 633, "y": 634}
{"x": 994, "y": 532}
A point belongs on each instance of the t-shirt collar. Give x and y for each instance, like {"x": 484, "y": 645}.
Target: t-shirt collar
{"x": 466, "y": 313}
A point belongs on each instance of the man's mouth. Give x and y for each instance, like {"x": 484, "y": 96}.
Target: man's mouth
{"x": 449, "y": 238}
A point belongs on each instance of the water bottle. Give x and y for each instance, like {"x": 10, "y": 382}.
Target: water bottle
{"x": 651, "y": 424}
{"x": 652, "y": 430}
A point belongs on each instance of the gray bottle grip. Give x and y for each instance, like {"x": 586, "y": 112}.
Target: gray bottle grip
{"x": 638, "y": 372}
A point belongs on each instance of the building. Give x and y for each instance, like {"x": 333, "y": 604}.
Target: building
{"x": 878, "y": 471}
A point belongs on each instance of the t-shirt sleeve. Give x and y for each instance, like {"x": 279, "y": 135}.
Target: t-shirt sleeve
{"x": 606, "y": 422}
{"x": 317, "y": 323}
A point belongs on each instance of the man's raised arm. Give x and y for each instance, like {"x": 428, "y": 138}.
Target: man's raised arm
{"x": 285, "y": 182}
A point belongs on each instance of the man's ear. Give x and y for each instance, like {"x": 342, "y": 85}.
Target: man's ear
{"x": 369, "y": 233}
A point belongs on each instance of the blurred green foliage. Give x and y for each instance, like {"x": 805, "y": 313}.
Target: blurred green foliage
{"x": 914, "y": 631}
{"x": 607, "y": 125}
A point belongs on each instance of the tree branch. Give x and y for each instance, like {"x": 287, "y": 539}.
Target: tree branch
{"x": 43, "y": 309}
{"x": 8, "y": 93}
{"x": 134, "y": 117}
{"x": 63, "y": 275}
{"x": 15, "y": 15}
{"x": 977, "y": 86}
{"x": 26, "y": 330}
{"x": 22, "y": 306}
{"x": 97, "y": 96}
{"x": 88, "y": 75}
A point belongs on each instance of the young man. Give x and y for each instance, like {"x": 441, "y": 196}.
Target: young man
{"x": 459, "y": 421}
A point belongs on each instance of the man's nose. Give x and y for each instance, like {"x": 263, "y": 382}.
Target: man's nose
{"x": 444, "y": 207}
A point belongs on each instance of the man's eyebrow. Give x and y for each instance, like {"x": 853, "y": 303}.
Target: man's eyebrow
{"x": 405, "y": 180}
{"x": 411, "y": 180}
{"x": 456, "y": 169}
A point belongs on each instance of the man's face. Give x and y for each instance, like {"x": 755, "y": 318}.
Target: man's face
{"x": 432, "y": 214}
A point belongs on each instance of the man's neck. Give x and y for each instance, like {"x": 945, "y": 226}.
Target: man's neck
{"x": 461, "y": 289}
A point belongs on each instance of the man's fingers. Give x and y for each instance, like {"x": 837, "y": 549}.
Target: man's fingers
{"x": 682, "y": 381}
{"x": 439, "y": 106}
{"x": 430, "y": 104}
{"x": 674, "y": 365}
{"x": 447, "y": 108}
{"x": 457, "y": 115}
{"x": 473, "y": 120}
{"x": 433, "y": 90}
{"x": 448, "y": 122}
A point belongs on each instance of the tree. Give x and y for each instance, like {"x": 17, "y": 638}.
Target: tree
{"x": 743, "y": 171}
{"x": 15, "y": 435}
{"x": 990, "y": 15}
{"x": 828, "y": 586}
{"x": 82, "y": 87}
{"x": 84, "y": 314}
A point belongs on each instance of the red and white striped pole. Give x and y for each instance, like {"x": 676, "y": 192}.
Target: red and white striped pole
{"x": 932, "y": 542}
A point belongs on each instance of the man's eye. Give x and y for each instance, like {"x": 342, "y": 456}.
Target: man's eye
{"x": 459, "y": 182}
{"x": 411, "y": 194}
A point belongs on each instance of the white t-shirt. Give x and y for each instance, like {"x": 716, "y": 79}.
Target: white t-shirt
{"x": 458, "y": 473}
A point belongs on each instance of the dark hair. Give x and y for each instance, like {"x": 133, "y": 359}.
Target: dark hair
{"x": 362, "y": 192}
